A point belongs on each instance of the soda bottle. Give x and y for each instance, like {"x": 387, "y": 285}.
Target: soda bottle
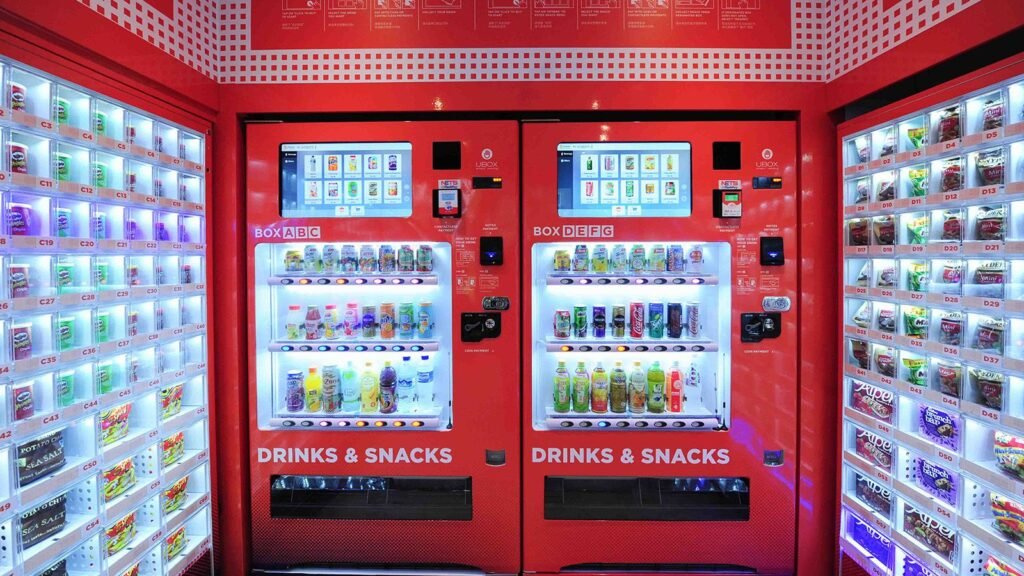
{"x": 388, "y": 389}
{"x": 349, "y": 389}
{"x": 368, "y": 389}
{"x": 655, "y": 389}
{"x": 425, "y": 383}
{"x": 581, "y": 389}
{"x": 618, "y": 389}
{"x": 637, "y": 390}
{"x": 332, "y": 322}
{"x": 675, "y": 388}
{"x": 314, "y": 323}
{"x": 562, "y": 386}
{"x": 406, "y": 383}
{"x": 599, "y": 390}
{"x": 314, "y": 391}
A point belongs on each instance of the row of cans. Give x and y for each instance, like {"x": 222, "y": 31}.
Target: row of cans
{"x": 637, "y": 259}
{"x": 683, "y": 320}
{"x": 385, "y": 259}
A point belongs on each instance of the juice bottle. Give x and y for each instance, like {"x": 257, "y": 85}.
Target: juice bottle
{"x": 293, "y": 323}
{"x": 617, "y": 390}
{"x": 675, "y": 388}
{"x": 637, "y": 390}
{"x": 314, "y": 386}
{"x": 388, "y": 389}
{"x": 314, "y": 324}
{"x": 599, "y": 390}
{"x": 349, "y": 389}
{"x": 332, "y": 322}
{"x": 368, "y": 389}
{"x": 562, "y": 388}
{"x": 655, "y": 389}
{"x": 581, "y": 389}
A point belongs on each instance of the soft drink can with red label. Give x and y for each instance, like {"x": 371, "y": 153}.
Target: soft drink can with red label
{"x": 618, "y": 321}
{"x": 636, "y": 319}
{"x": 693, "y": 320}
{"x": 563, "y": 324}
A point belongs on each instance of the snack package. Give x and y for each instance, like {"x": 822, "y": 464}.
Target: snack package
{"x": 917, "y": 277}
{"x": 917, "y": 230}
{"x": 951, "y": 176}
{"x": 994, "y": 567}
{"x": 887, "y": 320}
{"x": 1009, "y": 452}
{"x": 170, "y": 400}
{"x": 950, "y": 377}
{"x": 175, "y": 543}
{"x": 940, "y": 427}
{"x": 989, "y": 278}
{"x": 1008, "y": 517}
{"x": 43, "y": 521}
{"x": 885, "y": 361}
{"x": 952, "y": 274}
{"x": 916, "y": 136}
{"x": 949, "y": 124}
{"x": 885, "y": 230}
{"x": 172, "y": 448}
{"x": 118, "y": 479}
{"x": 888, "y": 143}
{"x": 862, "y": 191}
{"x": 937, "y": 481}
{"x": 114, "y": 423}
{"x": 917, "y": 371}
{"x": 951, "y": 329}
{"x": 121, "y": 534}
{"x": 990, "y": 223}
{"x": 918, "y": 181}
{"x": 915, "y": 322}
{"x": 859, "y": 231}
{"x": 989, "y": 335}
{"x": 929, "y": 531}
{"x": 40, "y": 456}
{"x": 864, "y": 275}
{"x": 176, "y": 495}
{"x": 859, "y": 351}
{"x": 991, "y": 166}
{"x": 57, "y": 569}
{"x": 862, "y": 317}
{"x": 133, "y": 571}
{"x": 876, "y": 496}
{"x": 886, "y": 277}
{"x": 886, "y": 190}
{"x": 874, "y": 449}
{"x": 992, "y": 115}
{"x": 869, "y": 539}
{"x": 862, "y": 145}
{"x": 872, "y": 401}
{"x": 24, "y": 404}
{"x": 952, "y": 225}
{"x": 987, "y": 386}
{"x": 912, "y": 567}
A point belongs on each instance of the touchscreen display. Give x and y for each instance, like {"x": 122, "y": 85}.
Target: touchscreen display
{"x": 338, "y": 180}
{"x": 632, "y": 179}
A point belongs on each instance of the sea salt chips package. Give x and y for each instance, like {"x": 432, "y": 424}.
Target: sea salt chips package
{"x": 1007, "y": 517}
{"x": 861, "y": 191}
{"x": 172, "y": 448}
{"x": 873, "y": 448}
{"x": 175, "y": 543}
{"x": 43, "y": 521}
{"x": 936, "y": 480}
{"x": 40, "y": 456}
{"x": 1009, "y": 452}
{"x": 114, "y": 423}
{"x": 886, "y": 276}
{"x": 872, "y": 401}
{"x": 175, "y": 496}
{"x": 862, "y": 148}
{"x": 886, "y": 188}
{"x": 862, "y": 317}
{"x": 118, "y": 479}
{"x": 928, "y": 531}
{"x": 121, "y": 534}
{"x": 59, "y": 568}
{"x": 887, "y": 320}
{"x": 939, "y": 426}
{"x": 877, "y": 497}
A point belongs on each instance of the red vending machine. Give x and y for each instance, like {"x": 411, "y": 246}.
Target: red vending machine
{"x": 660, "y": 347}
{"x": 384, "y": 359}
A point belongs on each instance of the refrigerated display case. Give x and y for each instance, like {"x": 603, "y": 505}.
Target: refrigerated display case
{"x": 104, "y": 331}
{"x": 379, "y": 312}
{"x": 660, "y": 359}
{"x": 932, "y": 224}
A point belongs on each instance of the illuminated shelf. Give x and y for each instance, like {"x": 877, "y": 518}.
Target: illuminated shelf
{"x": 636, "y": 279}
{"x": 416, "y": 420}
{"x": 299, "y": 279}
{"x": 355, "y": 346}
{"x": 644, "y": 421}
{"x": 626, "y": 345}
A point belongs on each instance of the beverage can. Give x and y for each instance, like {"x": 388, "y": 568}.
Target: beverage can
{"x": 65, "y": 276}
{"x": 368, "y": 325}
{"x": 132, "y": 326}
{"x": 386, "y": 259}
{"x": 656, "y": 320}
{"x": 159, "y": 322}
{"x": 65, "y": 334}
{"x": 424, "y": 258}
{"x": 693, "y": 320}
{"x": 66, "y": 389}
{"x": 581, "y": 258}
{"x": 330, "y": 259}
{"x": 24, "y": 404}
{"x": 696, "y": 257}
{"x": 158, "y": 142}
{"x": 311, "y": 259}
{"x": 675, "y": 320}
{"x": 101, "y": 273}
{"x": 331, "y": 389}
{"x": 579, "y": 321}
{"x": 406, "y": 320}
{"x": 618, "y": 321}
{"x": 562, "y": 324}
{"x": 425, "y": 320}
{"x": 349, "y": 261}
{"x": 186, "y": 273}
{"x": 620, "y": 259}
{"x": 21, "y": 341}
{"x": 17, "y": 153}
{"x": 158, "y": 187}
{"x": 130, "y": 181}
{"x": 19, "y": 96}
{"x": 104, "y": 376}
{"x": 132, "y": 230}
{"x": 101, "y": 327}
{"x": 676, "y": 259}
{"x": 133, "y": 275}
{"x": 406, "y": 258}
{"x": 637, "y": 258}
{"x": 367, "y": 260}
{"x": 62, "y": 222}
{"x": 129, "y": 133}
{"x": 657, "y": 263}
{"x": 99, "y": 123}
{"x": 162, "y": 233}
{"x": 100, "y": 231}
{"x": 599, "y": 321}
{"x": 293, "y": 261}
{"x": 100, "y": 174}
{"x": 562, "y": 261}
{"x": 636, "y": 319}
{"x": 599, "y": 260}
{"x": 295, "y": 396}
{"x": 62, "y": 166}
{"x": 387, "y": 321}
{"x": 18, "y": 277}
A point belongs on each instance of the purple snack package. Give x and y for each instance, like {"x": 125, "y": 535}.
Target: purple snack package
{"x": 940, "y": 427}
{"x": 870, "y": 539}
{"x": 937, "y": 481}
{"x": 133, "y": 229}
{"x": 21, "y": 341}
{"x": 19, "y": 219}
{"x": 912, "y": 567}
{"x": 161, "y": 232}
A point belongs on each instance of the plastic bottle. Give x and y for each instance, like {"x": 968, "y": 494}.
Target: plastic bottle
{"x": 425, "y": 382}
{"x": 294, "y": 327}
{"x": 349, "y": 389}
{"x": 406, "y": 383}
{"x": 388, "y": 389}
{"x": 581, "y": 389}
{"x": 599, "y": 390}
{"x": 618, "y": 389}
{"x": 637, "y": 390}
{"x": 674, "y": 394}
{"x": 368, "y": 389}
{"x": 562, "y": 389}
{"x": 314, "y": 386}
{"x": 692, "y": 391}
{"x": 314, "y": 323}
{"x": 332, "y": 321}
{"x": 655, "y": 389}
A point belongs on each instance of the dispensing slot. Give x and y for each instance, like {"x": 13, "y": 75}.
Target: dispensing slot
{"x": 371, "y": 497}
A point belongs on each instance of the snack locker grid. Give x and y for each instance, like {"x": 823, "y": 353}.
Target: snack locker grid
{"x": 103, "y": 345}
{"x": 932, "y": 460}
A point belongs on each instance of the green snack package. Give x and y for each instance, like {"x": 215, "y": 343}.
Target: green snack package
{"x": 917, "y": 371}
{"x": 916, "y": 136}
{"x": 918, "y": 181}
{"x": 918, "y": 229}
{"x": 915, "y": 322}
{"x": 917, "y": 277}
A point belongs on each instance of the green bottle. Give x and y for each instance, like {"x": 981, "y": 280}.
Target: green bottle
{"x": 581, "y": 389}
{"x": 655, "y": 389}
{"x": 562, "y": 388}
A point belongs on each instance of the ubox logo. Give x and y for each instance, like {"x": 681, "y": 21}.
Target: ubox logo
{"x": 575, "y": 231}
{"x": 286, "y": 232}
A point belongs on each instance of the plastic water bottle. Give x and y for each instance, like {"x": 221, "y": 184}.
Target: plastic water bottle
{"x": 406, "y": 383}
{"x": 425, "y": 382}
{"x": 349, "y": 389}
